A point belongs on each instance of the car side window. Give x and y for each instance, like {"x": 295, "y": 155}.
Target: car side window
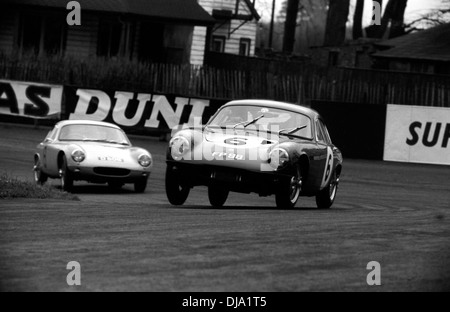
{"x": 319, "y": 133}
{"x": 52, "y": 134}
{"x": 325, "y": 133}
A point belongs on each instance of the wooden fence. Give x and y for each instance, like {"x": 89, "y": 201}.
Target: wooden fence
{"x": 309, "y": 83}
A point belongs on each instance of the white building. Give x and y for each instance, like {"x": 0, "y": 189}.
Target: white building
{"x": 234, "y": 32}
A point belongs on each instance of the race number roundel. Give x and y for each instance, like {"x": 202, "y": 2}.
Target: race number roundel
{"x": 236, "y": 141}
{"x": 328, "y": 167}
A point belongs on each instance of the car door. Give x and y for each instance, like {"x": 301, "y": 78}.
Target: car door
{"x": 322, "y": 162}
{"x": 49, "y": 153}
{"x": 330, "y": 153}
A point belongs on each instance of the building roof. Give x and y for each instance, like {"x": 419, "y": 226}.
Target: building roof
{"x": 431, "y": 44}
{"x": 185, "y": 11}
{"x": 252, "y": 9}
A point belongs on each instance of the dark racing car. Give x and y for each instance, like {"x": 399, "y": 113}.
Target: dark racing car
{"x": 266, "y": 147}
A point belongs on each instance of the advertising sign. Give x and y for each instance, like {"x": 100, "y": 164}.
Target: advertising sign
{"x": 30, "y": 99}
{"x": 138, "y": 110}
{"x": 417, "y": 134}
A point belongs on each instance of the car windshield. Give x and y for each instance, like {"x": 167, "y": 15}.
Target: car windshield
{"x": 264, "y": 119}
{"x": 93, "y": 133}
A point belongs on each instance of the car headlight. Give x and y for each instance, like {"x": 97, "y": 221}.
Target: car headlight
{"x": 278, "y": 158}
{"x": 145, "y": 160}
{"x": 179, "y": 146}
{"x": 78, "y": 155}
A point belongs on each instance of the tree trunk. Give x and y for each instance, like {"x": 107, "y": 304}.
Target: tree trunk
{"x": 290, "y": 26}
{"x": 394, "y": 14}
{"x": 336, "y": 22}
{"x": 374, "y": 31}
{"x": 397, "y": 18}
{"x": 357, "y": 19}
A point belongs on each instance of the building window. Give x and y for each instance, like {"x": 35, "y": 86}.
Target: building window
{"x": 218, "y": 44}
{"x": 109, "y": 37}
{"x": 42, "y": 35}
{"x": 244, "y": 46}
{"x": 151, "y": 42}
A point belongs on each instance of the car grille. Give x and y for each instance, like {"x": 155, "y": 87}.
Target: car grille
{"x": 116, "y": 172}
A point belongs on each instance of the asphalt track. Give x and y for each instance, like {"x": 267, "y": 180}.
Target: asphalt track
{"x": 396, "y": 214}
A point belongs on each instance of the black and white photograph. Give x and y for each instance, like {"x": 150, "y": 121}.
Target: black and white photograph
{"x": 225, "y": 151}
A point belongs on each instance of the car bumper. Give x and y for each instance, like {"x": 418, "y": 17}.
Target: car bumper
{"x": 237, "y": 180}
{"x": 108, "y": 174}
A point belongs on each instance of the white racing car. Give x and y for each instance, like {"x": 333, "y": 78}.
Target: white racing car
{"x": 258, "y": 146}
{"x": 96, "y": 152}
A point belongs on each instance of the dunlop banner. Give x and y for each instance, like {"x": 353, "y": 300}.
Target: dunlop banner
{"x": 137, "y": 110}
{"x": 30, "y": 99}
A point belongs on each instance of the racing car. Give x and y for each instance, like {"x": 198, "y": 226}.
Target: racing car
{"x": 97, "y": 152}
{"x": 256, "y": 146}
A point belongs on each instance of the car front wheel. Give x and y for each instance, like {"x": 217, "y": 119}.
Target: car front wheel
{"x": 289, "y": 191}
{"x": 39, "y": 177}
{"x": 65, "y": 176}
{"x": 176, "y": 191}
{"x": 217, "y": 195}
{"x": 326, "y": 197}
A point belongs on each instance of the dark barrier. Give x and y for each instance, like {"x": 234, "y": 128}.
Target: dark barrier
{"x": 137, "y": 112}
{"x": 358, "y": 129}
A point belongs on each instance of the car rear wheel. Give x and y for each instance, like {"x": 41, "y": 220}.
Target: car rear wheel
{"x": 140, "y": 185}
{"x": 217, "y": 195}
{"x": 289, "y": 191}
{"x": 326, "y": 197}
{"x": 176, "y": 191}
{"x": 65, "y": 176}
{"x": 39, "y": 177}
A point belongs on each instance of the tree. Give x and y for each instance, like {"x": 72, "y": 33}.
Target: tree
{"x": 435, "y": 18}
{"x": 394, "y": 15}
{"x": 290, "y": 25}
{"x": 374, "y": 30}
{"x": 336, "y": 22}
{"x": 392, "y": 22}
{"x": 357, "y": 19}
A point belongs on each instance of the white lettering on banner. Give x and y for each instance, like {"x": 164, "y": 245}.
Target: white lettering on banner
{"x": 85, "y": 98}
{"x": 161, "y": 105}
{"x": 198, "y": 108}
{"x": 123, "y": 98}
{"x": 417, "y": 134}
{"x": 30, "y": 99}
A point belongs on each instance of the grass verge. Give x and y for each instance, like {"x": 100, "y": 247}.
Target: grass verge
{"x": 15, "y": 188}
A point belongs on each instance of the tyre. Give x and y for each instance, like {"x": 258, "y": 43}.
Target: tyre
{"x": 176, "y": 192}
{"x": 140, "y": 185}
{"x": 39, "y": 177}
{"x": 65, "y": 176}
{"x": 326, "y": 197}
{"x": 217, "y": 195}
{"x": 288, "y": 191}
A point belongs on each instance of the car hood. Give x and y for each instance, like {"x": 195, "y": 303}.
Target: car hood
{"x": 106, "y": 151}
{"x": 237, "y": 150}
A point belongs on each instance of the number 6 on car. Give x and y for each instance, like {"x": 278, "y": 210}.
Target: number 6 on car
{"x": 276, "y": 148}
